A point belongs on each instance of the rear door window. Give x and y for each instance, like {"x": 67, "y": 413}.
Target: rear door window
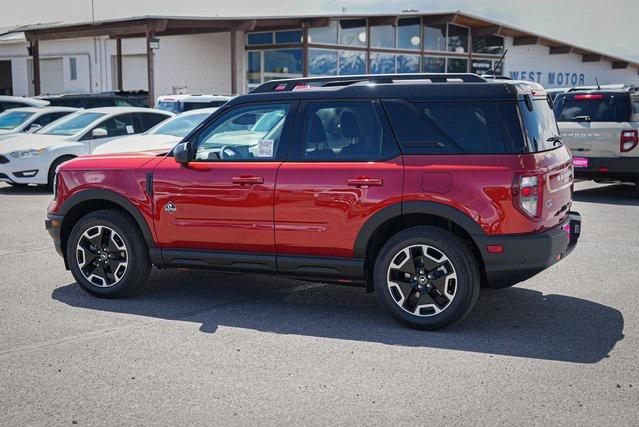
{"x": 592, "y": 107}
{"x": 347, "y": 131}
{"x": 119, "y": 125}
{"x": 45, "y": 119}
{"x": 540, "y": 125}
{"x": 447, "y": 127}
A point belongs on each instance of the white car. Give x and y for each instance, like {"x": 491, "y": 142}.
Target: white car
{"x": 162, "y": 137}
{"x": 9, "y": 102}
{"x": 185, "y": 102}
{"x": 32, "y": 158}
{"x": 30, "y": 119}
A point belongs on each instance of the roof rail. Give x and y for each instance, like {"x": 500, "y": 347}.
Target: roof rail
{"x": 290, "y": 84}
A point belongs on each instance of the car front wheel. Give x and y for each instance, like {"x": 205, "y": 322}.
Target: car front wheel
{"x": 107, "y": 254}
{"x": 427, "y": 277}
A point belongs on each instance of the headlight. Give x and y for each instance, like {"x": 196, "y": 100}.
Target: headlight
{"x": 21, "y": 154}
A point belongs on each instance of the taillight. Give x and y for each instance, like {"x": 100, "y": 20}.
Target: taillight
{"x": 588, "y": 96}
{"x": 528, "y": 194}
{"x": 629, "y": 140}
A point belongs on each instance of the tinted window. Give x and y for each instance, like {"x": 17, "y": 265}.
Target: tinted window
{"x": 409, "y": 33}
{"x": 9, "y": 105}
{"x": 242, "y": 135}
{"x": 597, "y": 107}
{"x": 188, "y": 106}
{"x": 45, "y": 119}
{"x": 446, "y": 127}
{"x": 539, "y": 125}
{"x": 72, "y": 125}
{"x": 352, "y": 32}
{"x": 13, "y": 119}
{"x": 345, "y": 131}
{"x": 150, "y": 119}
{"x": 119, "y": 125}
{"x": 383, "y": 36}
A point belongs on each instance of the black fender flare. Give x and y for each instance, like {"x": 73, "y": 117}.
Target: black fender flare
{"x": 111, "y": 196}
{"x": 412, "y": 207}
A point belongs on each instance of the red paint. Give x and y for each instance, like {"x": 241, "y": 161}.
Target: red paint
{"x": 317, "y": 208}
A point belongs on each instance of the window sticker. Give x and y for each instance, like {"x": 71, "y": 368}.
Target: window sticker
{"x": 265, "y": 148}
{"x": 129, "y": 129}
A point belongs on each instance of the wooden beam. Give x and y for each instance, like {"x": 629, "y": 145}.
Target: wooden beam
{"x": 522, "y": 41}
{"x": 486, "y": 31}
{"x": 233, "y": 33}
{"x": 591, "y": 58}
{"x": 616, "y": 65}
{"x": 35, "y": 51}
{"x": 248, "y": 25}
{"x": 305, "y": 49}
{"x": 118, "y": 62}
{"x": 383, "y": 20}
{"x": 149, "y": 67}
{"x": 319, "y": 22}
{"x": 556, "y": 50}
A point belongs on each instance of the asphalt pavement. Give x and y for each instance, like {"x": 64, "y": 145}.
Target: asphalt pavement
{"x": 232, "y": 349}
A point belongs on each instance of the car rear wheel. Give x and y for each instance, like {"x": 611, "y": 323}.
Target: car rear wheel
{"x": 107, "y": 254}
{"x": 427, "y": 277}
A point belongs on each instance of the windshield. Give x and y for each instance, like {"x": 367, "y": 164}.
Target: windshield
{"x": 540, "y": 125}
{"x": 592, "y": 107}
{"x": 13, "y": 119}
{"x": 172, "y": 106}
{"x": 180, "y": 126}
{"x": 72, "y": 125}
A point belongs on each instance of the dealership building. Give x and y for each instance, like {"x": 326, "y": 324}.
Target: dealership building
{"x": 224, "y": 55}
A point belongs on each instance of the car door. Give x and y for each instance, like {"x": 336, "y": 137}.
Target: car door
{"x": 116, "y": 126}
{"x": 222, "y": 200}
{"x": 344, "y": 166}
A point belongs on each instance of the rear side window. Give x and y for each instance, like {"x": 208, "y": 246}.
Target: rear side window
{"x": 592, "y": 107}
{"x": 447, "y": 127}
{"x": 348, "y": 131}
{"x": 149, "y": 120}
{"x": 540, "y": 125}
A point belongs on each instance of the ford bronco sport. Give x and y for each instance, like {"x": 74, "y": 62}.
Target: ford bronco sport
{"x": 601, "y": 128}
{"x": 418, "y": 187}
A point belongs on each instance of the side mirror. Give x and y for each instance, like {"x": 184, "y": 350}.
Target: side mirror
{"x": 99, "y": 133}
{"x": 34, "y": 128}
{"x": 181, "y": 153}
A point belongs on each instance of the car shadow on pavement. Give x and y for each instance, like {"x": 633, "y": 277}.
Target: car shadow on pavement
{"x": 513, "y": 322}
{"x": 619, "y": 194}
{"x": 23, "y": 191}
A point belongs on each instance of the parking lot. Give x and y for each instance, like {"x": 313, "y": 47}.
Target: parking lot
{"x": 206, "y": 347}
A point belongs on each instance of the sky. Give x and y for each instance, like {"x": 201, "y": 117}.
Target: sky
{"x": 609, "y": 26}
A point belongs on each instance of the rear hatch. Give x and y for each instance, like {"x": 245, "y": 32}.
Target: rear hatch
{"x": 591, "y": 123}
{"x": 550, "y": 164}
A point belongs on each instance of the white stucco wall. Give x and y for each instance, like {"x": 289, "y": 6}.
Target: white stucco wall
{"x": 533, "y": 62}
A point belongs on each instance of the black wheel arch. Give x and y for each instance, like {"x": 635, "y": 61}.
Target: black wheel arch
{"x": 91, "y": 200}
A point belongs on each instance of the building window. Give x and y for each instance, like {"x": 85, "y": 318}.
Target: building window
{"x": 480, "y": 66}
{"x": 435, "y": 37}
{"x": 255, "y": 39}
{"x": 254, "y": 67}
{"x": 383, "y": 36}
{"x": 434, "y": 64}
{"x": 351, "y": 62}
{"x": 409, "y": 33}
{"x": 457, "y": 39}
{"x": 323, "y": 35}
{"x": 282, "y": 63}
{"x": 492, "y": 45}
{"x": 73, "y": 68}
{"x": 288, "y": 37}
{"x": 407, "y": 64}
{"x": 382, "y": 63}
{"x": 322, "y": 62}
{"x": 456, "y": 65}
{"x": 352, "y": 32}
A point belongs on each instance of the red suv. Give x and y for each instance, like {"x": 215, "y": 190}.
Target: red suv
{"x": 418, "y": 187}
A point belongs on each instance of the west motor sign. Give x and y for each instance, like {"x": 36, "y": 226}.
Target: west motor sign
{"x": 550, "y": 78}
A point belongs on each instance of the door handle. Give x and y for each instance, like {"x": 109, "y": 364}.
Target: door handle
{"x": 244, "y": 180}
{"x": 364, "y": 181}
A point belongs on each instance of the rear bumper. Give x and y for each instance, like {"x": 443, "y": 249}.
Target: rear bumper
{"x": 526, "y": 255}
{"x": 613, "y": 168}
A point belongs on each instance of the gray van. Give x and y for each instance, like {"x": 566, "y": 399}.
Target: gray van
{"x": 601, "y": 128}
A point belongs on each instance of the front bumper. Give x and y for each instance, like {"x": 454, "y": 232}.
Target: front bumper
{"x": 612, "y": 168}
{"x": 53, "y": 224}
{"x": 524, "y": 256}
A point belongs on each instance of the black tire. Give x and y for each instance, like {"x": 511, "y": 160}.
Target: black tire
{"x": 138, "y": 263}
{"x": 51, "y": 174}
{"x": 464, "y": 289}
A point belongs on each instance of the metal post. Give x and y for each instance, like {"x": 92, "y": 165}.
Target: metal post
{"x": 149, "y": 67}
{"x": 233, "y": 34}
{"x": 35, "y": 51}
{"x": 118, "y": 63}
